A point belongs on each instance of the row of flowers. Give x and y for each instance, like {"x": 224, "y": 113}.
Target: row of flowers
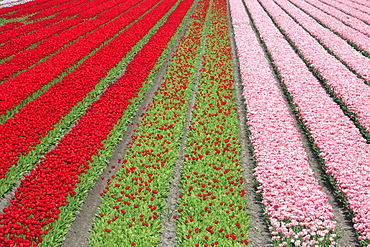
{"x": 294, "y": 203}
{"x": 133, "y": 200}
{"x": 20, "y": 11}
{"x": 346, "y": 14}
{"x": 27, "y": 86}
{"x": 10, "y": 26}
{"x": 341, "y": 149}
{"x": 23, "y": 6}
{"x": 42, "y": 122}
{"x": 20, "y": 29}
{"x": 362, "y": 5}
{"x": 9, "y": 3}
{"x": 332, "y": 42}
{"x": 68, "y": 31}
{"x": 212, "y": 207}
{"x": 351, "y": 10}
{"x": 358, "y": 40}
{"x": 59, "y": 10}
{"x": 47, "y": 199}
{"x": 339, "y": 81}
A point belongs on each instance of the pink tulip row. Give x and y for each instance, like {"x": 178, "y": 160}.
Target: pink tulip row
{"x": 359, "y": 39}
{"x": 343, "y": 150}
{"x": 338, "y": 46}
{"x": 9, "y": 3}
{"x": 344, "y": 13}
{"x": 352, "y": 90}
{"x": 68, "y": 171}
{"x": 362, "y": 5}
{"x": 297, "y": 207}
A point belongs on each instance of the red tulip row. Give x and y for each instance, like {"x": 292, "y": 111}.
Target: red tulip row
{"x": 68, "y": 171}
{"x": 134, "y": 198}
{"x": 212, "y": 207}
{"x": 10, "y": 26}
{"x": 21, "y": 12}
{"x": 58, "y": 10}
{"x": 53, "y": 27}
{"x": 22, "y": 6}
{"x": 65, "y": 101}
{"x": 68, "y": 32}
{"x": 34, "y": 26}
{"x": 96, "y": 34}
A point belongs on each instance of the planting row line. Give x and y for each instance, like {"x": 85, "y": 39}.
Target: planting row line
{"x": 358, "y": 40}
{"x": 343, "y": 152}
{"x": 134, "y": 199}
{"x": 67, "y": 100}
{"x": 336, "y": 46}
{"x": 20, "y": 11}
{"x": 89, "y": 37}
{"x": 338, "y": 80}
{"x": 64, "y": 176}
{"x": 297, "y": 208}
{"x": 10, "y": 3}
{"x": 337, "y": 8}
{"x": 34, "y": 26}
{"x": 212, "y": 207}
{"x": 19, "y": 39}
{"x": 349, "y": 16}
{"x": 23, "y": 6}
{"x": 68, "y": 34}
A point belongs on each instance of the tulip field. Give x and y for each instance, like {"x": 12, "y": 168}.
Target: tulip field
{"x": 184, "y": 123}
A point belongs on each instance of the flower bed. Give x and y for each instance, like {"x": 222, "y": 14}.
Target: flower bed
{"x": 345, "y": 13}
{"x": 355, "y": 38}
{"x": 294, "y": 203}
{"x": 333, "y": 43}
{"x": 49, "y": 47}
{"x": 65, "y": 102}
{"x": 136, "y": 193}
{"x": 341, "y": 82}
{"x": 54, "y": 69}
{"x": 67, "y": 181}
{"x": 343, "y": 152}
{"x": 212, "y": 204}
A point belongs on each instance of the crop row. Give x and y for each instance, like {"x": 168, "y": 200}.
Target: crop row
{"x": 136, "y": 193}
{"x": 295, "y": 205}
{"x": 342, "y": 150}
{"x": 77, "y": 44}
{"x": 65, "y": 101}
{"x": 71, "y": 175}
